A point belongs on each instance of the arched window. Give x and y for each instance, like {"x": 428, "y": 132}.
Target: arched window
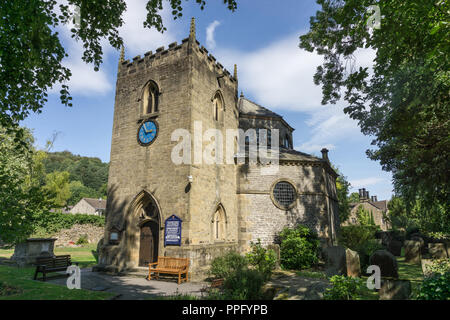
{"x": 217, "y": 107}
{"x": 150, "y": 98}
{"x": 219, "y": 224}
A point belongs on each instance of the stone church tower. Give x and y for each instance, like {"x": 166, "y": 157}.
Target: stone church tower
{"x": 223, "y": 206}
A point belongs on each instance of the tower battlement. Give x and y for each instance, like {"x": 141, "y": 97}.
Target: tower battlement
{"x": 187, "y": 46}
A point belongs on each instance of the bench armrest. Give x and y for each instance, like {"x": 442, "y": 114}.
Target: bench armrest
{"x": 153, "y": 264}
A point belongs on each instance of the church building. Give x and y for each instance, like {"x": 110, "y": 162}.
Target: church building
{"x": 157, "y": 207}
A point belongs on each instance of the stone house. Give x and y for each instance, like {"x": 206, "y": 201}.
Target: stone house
{"x": 89, "y": 206}
{"x": 221, "y": 205}
{"x": 378, "y": 209}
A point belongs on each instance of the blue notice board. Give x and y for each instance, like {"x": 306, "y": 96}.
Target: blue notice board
{"x": 172, "y": 231}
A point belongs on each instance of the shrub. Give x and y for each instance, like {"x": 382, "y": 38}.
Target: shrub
{"x": 353, "y": 237}
{"x": 365, "y": 250}
{"x": 225, "y": 266}
{"x": 263, "y": 259}
{"x": 299, "y": 248}
{"x": 244, "y": 284}
{"x": 83, "y": 239}
{"x": 436, "y": 287}
{"x": 362, "y": 240}
{"x": 440, "y": 266}
{"x": 52, "y": 222}
{"x": 343, "y": 288}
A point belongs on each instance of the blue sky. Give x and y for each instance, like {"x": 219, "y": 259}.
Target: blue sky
{"x": 261, "y": 37}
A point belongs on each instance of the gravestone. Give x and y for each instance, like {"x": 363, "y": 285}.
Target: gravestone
{"x": 387, "y": 263}
{"x": 425, "y": 264}
{"x": 437, "y": 250}
{"x": 353, "y": 264}
{"x": 412, "y": 251}
{"x": 395, "y": 247}
{"x": 335, "y": 261}
{"x": 26, "y": 253}
{"x": 395, "y": 289}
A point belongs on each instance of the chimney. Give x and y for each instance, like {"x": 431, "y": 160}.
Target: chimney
{"x": 367, "y": 195}
{"x": 360, "y": 193}
{"x": 375, "y": 198}
{"x": 324, "y": 154}
{"x": 363, "y": 193}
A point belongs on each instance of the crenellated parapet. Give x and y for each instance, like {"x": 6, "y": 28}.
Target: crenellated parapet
{"x": 187, "y": 47}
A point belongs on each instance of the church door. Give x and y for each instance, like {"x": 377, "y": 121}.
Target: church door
{"x": 148, "y": 250}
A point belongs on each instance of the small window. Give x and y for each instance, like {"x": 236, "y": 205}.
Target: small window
{"x": 151, "y": 98}
{"x": 219, "y": 224}
{"x": 284, "y": 195}
{"x": 217, "y": 107}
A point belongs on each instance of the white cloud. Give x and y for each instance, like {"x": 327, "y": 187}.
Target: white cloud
{"x": 280, "y": 76}
{"x": 365, "y": 182}
{"x": 210, "y": 41}
{"x": 137, "y": 39}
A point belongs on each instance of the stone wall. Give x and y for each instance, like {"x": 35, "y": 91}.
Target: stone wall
{"x": 94, "y": 234}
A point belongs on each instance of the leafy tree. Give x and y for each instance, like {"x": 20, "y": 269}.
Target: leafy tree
{"x": 79, "y": 191}
{"x": 58, "y": 189}
{"x": 404, "y": 102}
{"x": 21, "y": 196}
{"x": 354, "y": 197}
{"x": 365, "y": 217}
{"x": 343, "y": 186}
{"x": 31, "y": 51}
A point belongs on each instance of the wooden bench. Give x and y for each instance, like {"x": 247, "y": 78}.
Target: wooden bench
{"x": 47, "y": 265}
{"x": 169, "y": 265}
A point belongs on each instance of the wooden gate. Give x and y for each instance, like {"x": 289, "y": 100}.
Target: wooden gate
{"x": 148, "y": 250}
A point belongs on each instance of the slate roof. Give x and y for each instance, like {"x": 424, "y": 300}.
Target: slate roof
{"x": 96, "y": 203}
{"x": 251, "y": 108}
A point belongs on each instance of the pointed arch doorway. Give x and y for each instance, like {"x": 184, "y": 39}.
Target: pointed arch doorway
{"x": 149, "y": 231}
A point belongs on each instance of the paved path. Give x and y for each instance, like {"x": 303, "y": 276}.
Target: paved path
{"x": 132, "y": 287}
{"x": 289, "y": 286}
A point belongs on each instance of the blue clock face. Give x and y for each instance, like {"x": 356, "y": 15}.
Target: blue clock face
{"x": 147, "y": 132}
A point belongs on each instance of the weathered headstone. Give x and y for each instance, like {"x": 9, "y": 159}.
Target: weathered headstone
{"x": 387, "y": 263}
{"x": 412, "y": 251}
{"x": 335, "y": 261}
{"x": 437, "y": 250}
{"x": 384, "y": 236}
{"x": 353, "y": 264}
{"x": 395, "y": 247}
{"x": 395, "y": 290}
{"x": 425, "y": 264}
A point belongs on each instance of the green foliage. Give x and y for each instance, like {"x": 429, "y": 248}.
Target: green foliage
{"x": 365, "y": 217}
{"x": 360, "y": 238}
{"x": 354, "y": 236}
{"x": 403, "y": 102}
{"x": 32, "y": 52}
{"x": 439, "y": 266}
{"x": 344, "y": 288}
{"x": 354, "y": 197}
{"x": 52, "y": 222}
{"x": 223, "y": 267}
{"x": 264, "y": 260}
{"x": 21, "y": 197}
{"x": 83, "y": 239}
{"x": 241, "y": 282}
{"x": 342, "y": 189}
{"x": 436, "y": 287}
{"x": 299, "y": 248}
{"x": 245, "y": 284}
{"x": 88, "y": 176}
{"x": 58, "y": 189}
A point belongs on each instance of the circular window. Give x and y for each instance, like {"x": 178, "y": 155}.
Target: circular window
{"x": 284, "y": 195}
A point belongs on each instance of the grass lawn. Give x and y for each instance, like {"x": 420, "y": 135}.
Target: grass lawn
{"x": 17, "y": 284}
{"x": 85, "y": 256}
